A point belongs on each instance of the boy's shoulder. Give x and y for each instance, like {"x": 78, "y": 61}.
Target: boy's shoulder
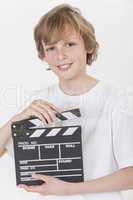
{"x": 121, "y": 98}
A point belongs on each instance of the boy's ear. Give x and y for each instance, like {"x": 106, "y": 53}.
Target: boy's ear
{"x": 90, "y": 51}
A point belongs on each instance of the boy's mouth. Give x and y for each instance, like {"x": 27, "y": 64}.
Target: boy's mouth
{"x": 64, "y": 67}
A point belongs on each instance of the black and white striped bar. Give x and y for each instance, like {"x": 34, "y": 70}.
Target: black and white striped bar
{"x": 72, "y": 115}
{"x": 55, "y": 151}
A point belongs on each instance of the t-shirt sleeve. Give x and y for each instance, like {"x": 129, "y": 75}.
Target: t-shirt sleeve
{"x": 122, "y": 130}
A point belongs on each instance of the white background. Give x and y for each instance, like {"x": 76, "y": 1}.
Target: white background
{"x": 21, "y": 70}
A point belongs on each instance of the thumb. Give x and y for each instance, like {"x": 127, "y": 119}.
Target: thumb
{"x": 44, "y": 178}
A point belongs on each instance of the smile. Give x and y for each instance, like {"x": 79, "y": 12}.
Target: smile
{"x": 64, "y": 67}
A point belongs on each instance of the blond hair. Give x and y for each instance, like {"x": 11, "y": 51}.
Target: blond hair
{"x": 52, "y": 25}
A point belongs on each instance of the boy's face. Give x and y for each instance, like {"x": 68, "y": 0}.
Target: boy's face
{"x": 67, "y": 57}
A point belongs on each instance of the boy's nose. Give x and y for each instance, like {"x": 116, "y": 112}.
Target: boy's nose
{"x": 61, "y": 54}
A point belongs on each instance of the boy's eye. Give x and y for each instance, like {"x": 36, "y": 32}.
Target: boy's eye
{"x": 71, "y": 44}
{"x": 50, "y": 49}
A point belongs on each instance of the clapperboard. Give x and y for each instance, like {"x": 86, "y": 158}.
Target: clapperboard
{"x": 54, "y": 149}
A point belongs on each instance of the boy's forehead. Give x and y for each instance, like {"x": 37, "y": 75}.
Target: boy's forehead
{"x": 66, "y": 34}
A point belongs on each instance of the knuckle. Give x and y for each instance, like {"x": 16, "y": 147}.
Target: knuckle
{"x": 27, "y": 111}
{"x": 35, "y": 102}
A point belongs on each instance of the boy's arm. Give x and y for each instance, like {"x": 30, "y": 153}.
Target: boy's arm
{"x": 117, "y": 181}
{"x": 5, "y": 134}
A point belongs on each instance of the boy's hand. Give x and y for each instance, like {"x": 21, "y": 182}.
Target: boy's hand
{"x": 44, "y": 110}
{"x": 52, "y": 186}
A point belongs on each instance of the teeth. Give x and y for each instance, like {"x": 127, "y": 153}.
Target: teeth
{"x": 64, "y": 66}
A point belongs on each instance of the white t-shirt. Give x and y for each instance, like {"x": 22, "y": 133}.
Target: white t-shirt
{"x": 107, "y": 132}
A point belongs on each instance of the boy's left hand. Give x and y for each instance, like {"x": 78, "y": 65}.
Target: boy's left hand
{"x": 52, "y": 186}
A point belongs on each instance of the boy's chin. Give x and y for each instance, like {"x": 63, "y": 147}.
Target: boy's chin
{"x": 67, "y": 77}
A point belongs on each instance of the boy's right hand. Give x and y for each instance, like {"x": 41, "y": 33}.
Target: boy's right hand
{"x": 41, "y": 109}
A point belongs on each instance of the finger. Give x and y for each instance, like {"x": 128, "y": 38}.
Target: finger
{"x": 44, "y": 106}
{"x": 44, "y": 178}
{"x": 55, "y": 108}
{"x": 38, "y": 115}
{"x": 31, "y": 188}
{"x": 50, "y": 112}
{"x": 43, "y": 112}
{"x": 25, "y": 187}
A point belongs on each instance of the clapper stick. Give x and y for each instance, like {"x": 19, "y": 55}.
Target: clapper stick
{"x": 53, "y": 150}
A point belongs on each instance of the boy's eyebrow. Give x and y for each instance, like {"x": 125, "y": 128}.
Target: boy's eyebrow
{"x": 54, "y": 42}
{"x": 49, "y": 44}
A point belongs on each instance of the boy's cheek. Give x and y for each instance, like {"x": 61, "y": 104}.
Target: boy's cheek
{"x": 51, "y": 60}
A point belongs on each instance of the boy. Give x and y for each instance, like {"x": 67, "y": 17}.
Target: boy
{"x": 66, "y": 41}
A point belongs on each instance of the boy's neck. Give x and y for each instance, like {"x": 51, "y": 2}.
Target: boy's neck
{"x": 78, "y": 86}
